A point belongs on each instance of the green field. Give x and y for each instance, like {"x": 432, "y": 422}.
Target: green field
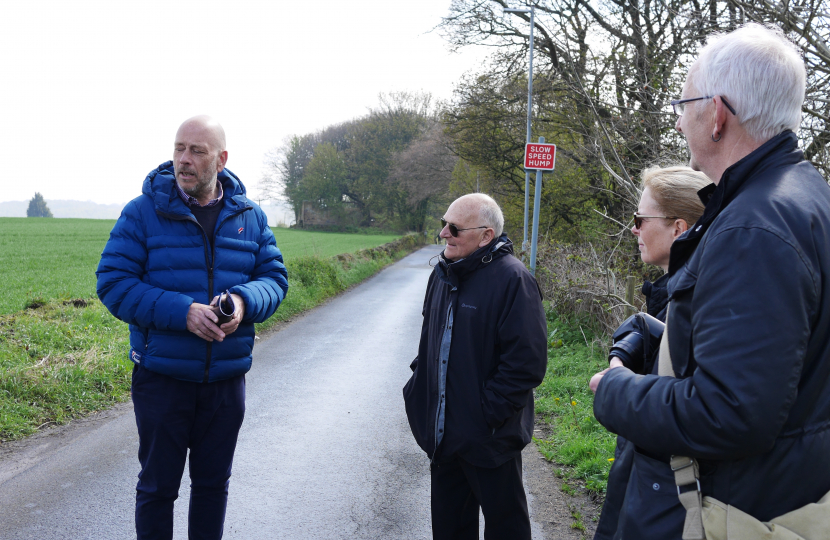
{"x": 66, "y": 356}
{"x": 46, "y": 258}
{"x": 297, "y": 243}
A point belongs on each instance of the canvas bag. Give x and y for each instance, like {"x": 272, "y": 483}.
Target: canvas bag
{"x": 709, "y": 519}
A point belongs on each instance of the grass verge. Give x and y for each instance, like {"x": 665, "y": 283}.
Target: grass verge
{"x": 569, "y": 435}
{"x": 62, "y": 359}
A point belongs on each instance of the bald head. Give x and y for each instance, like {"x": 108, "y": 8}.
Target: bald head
{"x": 477, "y": 219}
{"x": 484, "y": 208}
{"x": 199, "y": 155}
{"x": 210, "y": 128}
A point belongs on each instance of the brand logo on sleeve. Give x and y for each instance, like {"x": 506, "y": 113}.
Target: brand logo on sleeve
{"x": 135, "y": 356}
{"x": 240, "y": 230}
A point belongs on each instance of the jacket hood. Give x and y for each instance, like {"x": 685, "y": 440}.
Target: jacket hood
{"x": 779, "y": 151}
{"x": 160, "y": 185}
{"x": 455, "y": 271}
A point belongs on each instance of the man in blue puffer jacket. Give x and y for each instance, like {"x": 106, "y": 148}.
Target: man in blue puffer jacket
{"x": 189, "y": 237}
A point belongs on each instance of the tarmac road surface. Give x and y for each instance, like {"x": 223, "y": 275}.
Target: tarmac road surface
{"x": 325, "y": 451}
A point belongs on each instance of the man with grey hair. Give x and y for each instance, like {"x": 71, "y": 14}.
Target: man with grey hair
{"x": 483, "y": 350}
{"x": 746, "y": 403}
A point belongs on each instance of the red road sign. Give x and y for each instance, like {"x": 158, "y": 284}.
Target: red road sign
{"x": 540, "y": 156}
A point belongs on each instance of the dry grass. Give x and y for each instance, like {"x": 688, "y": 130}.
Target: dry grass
{"x": 588, "y": 282}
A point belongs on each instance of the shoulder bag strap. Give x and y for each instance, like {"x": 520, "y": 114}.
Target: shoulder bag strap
{"x": 686, "y": 472}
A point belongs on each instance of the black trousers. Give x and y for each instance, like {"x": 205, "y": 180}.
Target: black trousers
{"x": 173, "y": 417}
{"x": 459, "y": 489}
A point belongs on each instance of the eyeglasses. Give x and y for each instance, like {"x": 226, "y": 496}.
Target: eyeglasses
{"x": 455, "y": 230}
{"x": 679, "y": 105}
{"x": 638, "y": 219}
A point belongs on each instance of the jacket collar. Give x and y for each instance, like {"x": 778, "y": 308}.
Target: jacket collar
{"x": 781, "y": 149}
{"x": 454, "y": 272}
{"x": 160, "y": 184}
{"x": 656, "y": 294}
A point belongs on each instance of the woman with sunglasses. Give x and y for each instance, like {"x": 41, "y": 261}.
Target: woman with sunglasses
{"x": 669, "y": 205}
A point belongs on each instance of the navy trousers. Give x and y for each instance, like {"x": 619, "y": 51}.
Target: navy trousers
{"x": 459, "y": 489}
{"x": 173, "y": 416}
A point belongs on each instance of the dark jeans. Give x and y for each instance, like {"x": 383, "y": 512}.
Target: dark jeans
{"x": 173, "y": 416}
{"x": 459, "y": 489}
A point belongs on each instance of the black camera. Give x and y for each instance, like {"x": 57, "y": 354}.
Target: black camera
{"x": 637, "y": 341}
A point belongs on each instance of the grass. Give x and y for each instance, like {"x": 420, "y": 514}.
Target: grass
{"x": 47, "y": 258}
{"x": 58, "y": 362}
{"x": 296, "y": 242}
{"x": 564, "y": 406}
{"x": 66, "y": 356}
{"x": 42, "y": 258}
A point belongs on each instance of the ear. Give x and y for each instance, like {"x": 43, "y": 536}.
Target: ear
{"x": 223, "y": 158}
{"x": 680, "y": 226}
{"x": 487, "y": 237}
{"x": 721, "y": 113}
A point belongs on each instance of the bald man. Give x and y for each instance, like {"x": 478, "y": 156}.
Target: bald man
{"x": 190, "y": 265}
{"x": 470, "y": 399}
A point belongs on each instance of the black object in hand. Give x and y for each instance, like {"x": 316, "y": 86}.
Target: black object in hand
{"x": 224, "y": 308}
{"x": 636, "y": 341}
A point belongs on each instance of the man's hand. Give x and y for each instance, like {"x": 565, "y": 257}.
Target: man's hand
{"x": 594, "y": 384}
{"x": 201, "y": 320}
{"x": 231, "y": 326}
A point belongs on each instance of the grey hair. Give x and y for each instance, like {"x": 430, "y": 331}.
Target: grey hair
{"x": 489, "y": 211}
{"x": 760, "y": 72}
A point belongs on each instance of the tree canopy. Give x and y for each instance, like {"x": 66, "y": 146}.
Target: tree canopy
{"x": 38, "y": 207}
{"x": 387, "y": 166}
{"x": 604, "y": 74}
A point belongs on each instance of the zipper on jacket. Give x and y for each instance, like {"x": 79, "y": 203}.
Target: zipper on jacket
{"x": 442, "y": 392}
{"x": 209, "y": 260}
{"x": 210, "y": 256}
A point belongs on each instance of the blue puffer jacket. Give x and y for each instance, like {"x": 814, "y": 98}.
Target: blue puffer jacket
{"x": 158, "y": 261}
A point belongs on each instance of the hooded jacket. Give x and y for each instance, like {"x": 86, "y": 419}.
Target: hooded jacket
{"x": 158, "y": 261}
{"x": 483, "y": 349}
{"x": 749, "y": 336}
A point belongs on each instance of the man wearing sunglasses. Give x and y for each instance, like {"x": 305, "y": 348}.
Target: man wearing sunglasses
{"x": 747, "y": 340}
{"x": 470, "y": 398}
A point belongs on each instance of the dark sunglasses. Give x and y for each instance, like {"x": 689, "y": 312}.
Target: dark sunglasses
{"x": 638, "y": 219}
{"x": 455, "y": 230}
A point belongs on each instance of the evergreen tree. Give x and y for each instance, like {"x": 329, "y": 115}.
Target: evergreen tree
{"x": 38, "y": 208}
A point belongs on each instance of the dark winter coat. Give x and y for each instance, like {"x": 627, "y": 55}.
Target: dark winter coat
{"x": 620, "y": 474}
{"x": 158, "y": 261}
{"x": 497, "y": 355}
{"x": 749, "y": 336}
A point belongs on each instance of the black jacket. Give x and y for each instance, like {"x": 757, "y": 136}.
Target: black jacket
{"x": 498, "y": 354}
{"x": 618, "y": 477}
{"x": 749, "y": 335}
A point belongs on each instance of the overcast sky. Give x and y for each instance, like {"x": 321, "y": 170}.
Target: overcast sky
{"x": 94, "y": 90}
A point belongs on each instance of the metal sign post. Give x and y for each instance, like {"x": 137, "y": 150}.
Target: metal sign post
{"x": 541, "y": 157}
{"x": 532, "y": 12}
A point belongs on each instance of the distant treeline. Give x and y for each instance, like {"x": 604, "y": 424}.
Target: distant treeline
{"x": 278, "y": 213}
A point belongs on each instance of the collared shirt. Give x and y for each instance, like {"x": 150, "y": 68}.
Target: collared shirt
{"x": 191, "y": 201}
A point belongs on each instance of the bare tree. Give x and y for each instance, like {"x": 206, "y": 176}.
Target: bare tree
{"x": 424, "y": 169}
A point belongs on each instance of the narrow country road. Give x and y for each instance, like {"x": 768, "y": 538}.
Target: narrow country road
{"x": 325, "y": 451}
